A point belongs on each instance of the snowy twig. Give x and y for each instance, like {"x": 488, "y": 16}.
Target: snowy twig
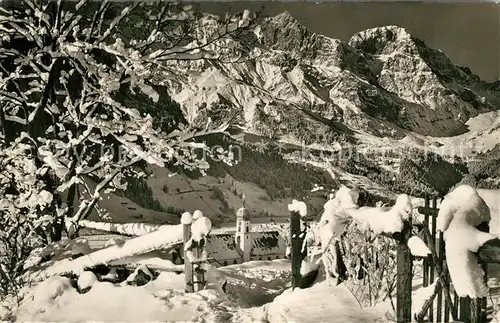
{"x": 84, "y": 211}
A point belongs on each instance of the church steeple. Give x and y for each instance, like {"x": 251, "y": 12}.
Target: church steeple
{"x": 243, "y": 230}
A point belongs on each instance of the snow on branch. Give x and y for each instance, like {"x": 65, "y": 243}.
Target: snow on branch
{"x": 70, "y": 86}
{"x": 461, "y": 211}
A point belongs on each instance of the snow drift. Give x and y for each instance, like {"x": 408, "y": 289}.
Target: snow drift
{"x": 248, "y": 286}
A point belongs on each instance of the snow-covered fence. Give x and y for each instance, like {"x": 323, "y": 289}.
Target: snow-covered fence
{"x": 421, "y": 240}
{"x": 164, "y": 238}
{"x": 435, "y": 261}
{"x": 382, "y": 243}
{"x": 130, "y": 229}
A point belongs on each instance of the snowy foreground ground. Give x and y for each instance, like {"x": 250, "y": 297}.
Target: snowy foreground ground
{"x": 257, "y": 291}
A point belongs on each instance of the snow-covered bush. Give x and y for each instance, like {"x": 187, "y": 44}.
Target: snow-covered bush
{"x": 71, "y": 129}
{"x": 369, "y": 258}
{"x": 371, "y": 265}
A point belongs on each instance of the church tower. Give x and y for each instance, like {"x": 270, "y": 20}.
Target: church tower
{"x": 243, "y": 237}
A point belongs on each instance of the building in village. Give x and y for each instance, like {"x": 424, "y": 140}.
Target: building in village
{"x": 222, "y": 248}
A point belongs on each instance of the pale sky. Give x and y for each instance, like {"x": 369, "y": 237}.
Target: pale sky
{"x": 468, "y": 33}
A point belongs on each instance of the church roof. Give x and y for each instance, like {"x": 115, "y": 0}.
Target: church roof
{"x": 222, "y": 247}
{"x": 267, "y": 243}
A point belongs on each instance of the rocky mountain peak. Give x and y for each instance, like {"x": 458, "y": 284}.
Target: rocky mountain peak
{"x": 284, "y": 32}
{"x": 396, "y": 43}
{"x": 382, "y": 40}
{"x": 284, "y": 18}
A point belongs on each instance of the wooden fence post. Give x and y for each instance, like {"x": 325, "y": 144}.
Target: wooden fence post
{"x": 464, "y": 309}
{"x": 199, "y": 273}
{"x": 188, "y": 267}
{"x": 478, "y": 305}
{"x": 296, "y": 248}
{"x": 404, "y": 275}
{"x": 194, "y": 274}
{"x": 425, "y": 263}
{"x": 439, "y": 245}
{"x": 475, "y": 310}
{"x": 446, "y": 283}
{"x": 432, "y": 262}
{"x": 483, "y": 302}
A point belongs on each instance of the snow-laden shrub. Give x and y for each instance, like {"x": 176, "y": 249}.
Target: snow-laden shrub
{"x": 371, "y": 264}
{"x": 368, "y": 258}
{"x": 384, "y": 219}
{"x": 27, "y": 211}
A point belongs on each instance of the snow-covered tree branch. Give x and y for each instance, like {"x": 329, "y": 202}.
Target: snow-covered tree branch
{"x": 68, "y": 71}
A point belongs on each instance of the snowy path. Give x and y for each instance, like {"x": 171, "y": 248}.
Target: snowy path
{"x": 322, "y": 303}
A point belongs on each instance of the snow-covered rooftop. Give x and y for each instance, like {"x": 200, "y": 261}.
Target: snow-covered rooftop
{"x": 267, "y": 243}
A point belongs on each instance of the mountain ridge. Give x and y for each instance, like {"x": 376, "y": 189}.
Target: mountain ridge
{"x": 388, "y": 91}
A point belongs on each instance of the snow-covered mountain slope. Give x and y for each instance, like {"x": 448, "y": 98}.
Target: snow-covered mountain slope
{"x": 382, "y": 82}
{"x": 383, "y": 88}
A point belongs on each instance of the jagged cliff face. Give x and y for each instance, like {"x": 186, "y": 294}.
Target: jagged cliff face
{"x": 382, "y": 82}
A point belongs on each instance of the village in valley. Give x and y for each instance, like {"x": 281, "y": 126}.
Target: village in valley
{"x": 200, "y": 162}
